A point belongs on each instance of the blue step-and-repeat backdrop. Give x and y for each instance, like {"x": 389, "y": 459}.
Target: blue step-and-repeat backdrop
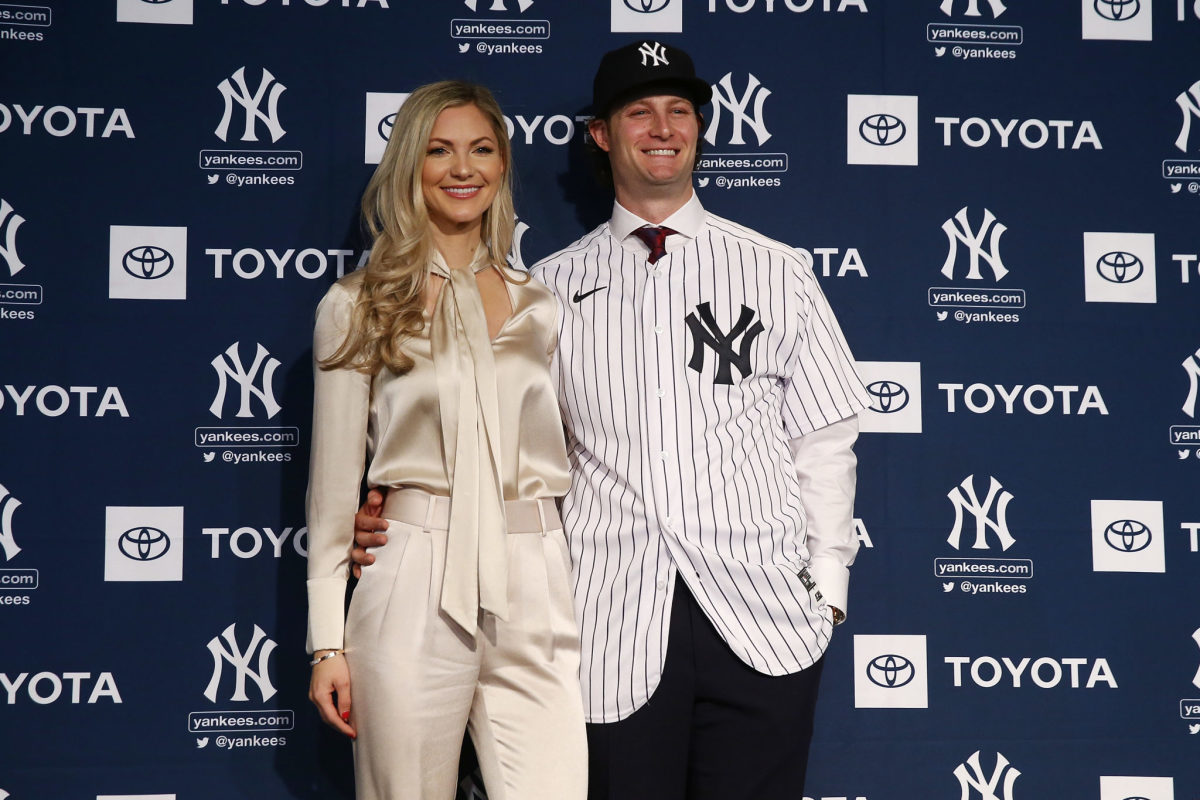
{"x": 1000, "y": 198}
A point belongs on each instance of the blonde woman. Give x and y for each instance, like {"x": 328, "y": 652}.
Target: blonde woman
{"x": 432, "y": 372}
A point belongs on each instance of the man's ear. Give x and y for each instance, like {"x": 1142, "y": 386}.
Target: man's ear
{"x": 598, "y": 130}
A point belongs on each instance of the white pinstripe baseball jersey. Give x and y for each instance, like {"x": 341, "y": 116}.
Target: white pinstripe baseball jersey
{"x": 682, "y": 385}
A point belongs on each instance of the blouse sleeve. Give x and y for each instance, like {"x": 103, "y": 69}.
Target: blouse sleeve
{"x": 341, "y": 399}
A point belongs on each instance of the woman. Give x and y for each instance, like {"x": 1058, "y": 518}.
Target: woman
{"x": 465, "y": 620}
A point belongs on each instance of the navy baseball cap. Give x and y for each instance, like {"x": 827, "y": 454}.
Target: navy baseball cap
{"x": 640, "y": 68}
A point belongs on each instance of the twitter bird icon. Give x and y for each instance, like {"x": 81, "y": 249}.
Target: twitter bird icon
{"x": 1176, "y": 187}
{"x": 1193, "y": 729}
{"x": 948, "y": 587}
{"x": 208, "y": 457}
{"x": 939, "y": 51}
{"x": 202, "y": 742}
{"x": 1184, "y": 454}
{"x": 213, "y": 179}
{"x": 702, "y": 182}
{"x": 464, "y": 47}
{"x": 941, "y": 315}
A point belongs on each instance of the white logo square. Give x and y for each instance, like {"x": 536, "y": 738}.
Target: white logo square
{"x": 147, "y": 263}
{"x": 143, "y": 543}
{"x": 163, "y": 12}
{"x": 1119, "y": 268}
{"x": 381, "y": 115}
{"x": 1127, "y": 536}
{"x": 895, "y": 391}
{"x": 647, "y": 16}
{"x": 1127, "y": 20}
{"x": 881, "y": 129}
{"x": 890, "y": 672}
{"x": 1123, "y": 787}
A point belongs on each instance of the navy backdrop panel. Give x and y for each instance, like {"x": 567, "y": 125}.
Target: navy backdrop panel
{"x": 1000, "y": 200}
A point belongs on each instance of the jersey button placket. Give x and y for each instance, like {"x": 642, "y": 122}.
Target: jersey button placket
{"x": 658, "y": 308}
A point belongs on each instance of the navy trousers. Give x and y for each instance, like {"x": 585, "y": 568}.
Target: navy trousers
{"x": 714, "y": 729}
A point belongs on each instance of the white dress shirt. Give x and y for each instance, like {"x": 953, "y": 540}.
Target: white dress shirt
{"x": 718, "y": 447}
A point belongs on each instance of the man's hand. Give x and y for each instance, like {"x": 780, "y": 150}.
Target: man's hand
{"x": 367, "y": 524}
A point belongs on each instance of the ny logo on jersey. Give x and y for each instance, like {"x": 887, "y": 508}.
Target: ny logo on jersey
{"x": 268, "y": 88}
{"x": 964, "y": 499}
{"x": 240, "y": 660}
{"x": 653, "y": 54}
{"x": 706, "y": 333}
{"x": 725, "y": 97}
{"x": 958, "y": 229}
{"x": 998, "y": 787}
{"x": 1189, "y": 104}
{"x": 229, "y": 365}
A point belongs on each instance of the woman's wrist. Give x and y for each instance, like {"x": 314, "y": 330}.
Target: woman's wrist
{"x": 323, "y": 655}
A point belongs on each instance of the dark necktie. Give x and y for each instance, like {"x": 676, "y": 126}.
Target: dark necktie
{"x": 655, "y": 238}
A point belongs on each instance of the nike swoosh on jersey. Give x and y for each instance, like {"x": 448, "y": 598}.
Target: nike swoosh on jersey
{"x": 581, "y": 296}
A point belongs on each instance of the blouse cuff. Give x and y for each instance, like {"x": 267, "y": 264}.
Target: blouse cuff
{"x": 326, "y": 614}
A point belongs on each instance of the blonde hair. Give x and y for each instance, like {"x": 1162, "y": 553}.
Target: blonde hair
{"x": 392, "y": 296}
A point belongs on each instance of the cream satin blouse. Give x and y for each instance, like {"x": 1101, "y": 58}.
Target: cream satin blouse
{"x": 482, "y": 421}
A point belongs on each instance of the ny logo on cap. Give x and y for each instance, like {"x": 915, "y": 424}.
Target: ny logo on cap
{"x": 653, "y": 50}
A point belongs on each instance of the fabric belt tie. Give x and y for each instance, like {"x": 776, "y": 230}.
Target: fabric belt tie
{"x": 432, "y": 512}
{"x": 476, "y": 572}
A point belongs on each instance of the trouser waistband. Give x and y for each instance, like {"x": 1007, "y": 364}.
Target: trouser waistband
{"x": 432, "y": 512}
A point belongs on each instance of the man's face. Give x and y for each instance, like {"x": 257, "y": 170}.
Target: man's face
{"x": 651, "y": 145}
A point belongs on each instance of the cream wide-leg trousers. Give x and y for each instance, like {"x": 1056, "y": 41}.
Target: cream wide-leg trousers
{"x": 417, "y": 680}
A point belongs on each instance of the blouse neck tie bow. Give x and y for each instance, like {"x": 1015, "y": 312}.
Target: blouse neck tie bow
{"x": 476, "y": 571}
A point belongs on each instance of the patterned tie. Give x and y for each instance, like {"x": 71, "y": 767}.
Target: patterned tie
{"x": 655, "y": 238}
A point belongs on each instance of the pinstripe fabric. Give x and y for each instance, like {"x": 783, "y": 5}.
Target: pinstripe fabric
{"x": 674, "y": 470}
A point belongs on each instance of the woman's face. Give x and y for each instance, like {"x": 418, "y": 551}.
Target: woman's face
{"x": 463, "y": 169}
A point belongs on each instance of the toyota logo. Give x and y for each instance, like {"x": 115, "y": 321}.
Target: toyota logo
{"x": 144, "y": 544}
{"x": 887, "y": 397}
{"x": 891, "y": 671}
{"x": 1128, "y": 535}
{"x": 647, "y": 6}
{"x": 147, "y": 262}
{"x": 1120, "y": 267}
{"x": 882, "y": 129}
{"x": 385, "y": 126}
{"x": 1117, "y": 10}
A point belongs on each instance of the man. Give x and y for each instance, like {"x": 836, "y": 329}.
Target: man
{"x": 710, "y": 404}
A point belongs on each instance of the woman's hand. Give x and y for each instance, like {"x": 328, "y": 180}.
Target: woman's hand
{"x": 329, "y": 690}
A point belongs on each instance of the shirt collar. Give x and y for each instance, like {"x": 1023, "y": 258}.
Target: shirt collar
{"x": 687, "y": 221}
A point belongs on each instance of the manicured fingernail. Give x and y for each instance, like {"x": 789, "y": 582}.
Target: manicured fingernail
{"x": 345, "y": 716}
